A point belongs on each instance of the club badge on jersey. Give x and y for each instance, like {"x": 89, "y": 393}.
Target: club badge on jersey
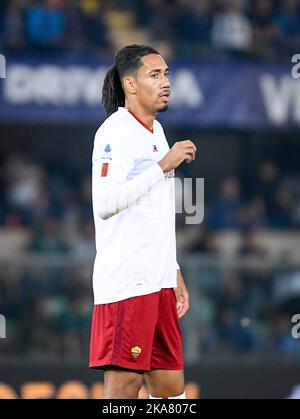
{"x": 136, "y": 352}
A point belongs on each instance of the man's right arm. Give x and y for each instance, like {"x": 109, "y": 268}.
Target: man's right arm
{"x": 111, "y": 197}
{"x": 112, "y": 191}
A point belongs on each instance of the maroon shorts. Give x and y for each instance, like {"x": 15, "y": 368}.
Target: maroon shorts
{"x": 139, "y": 333}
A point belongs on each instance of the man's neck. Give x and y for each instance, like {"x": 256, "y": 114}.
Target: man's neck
{"x": 141, "y": 114}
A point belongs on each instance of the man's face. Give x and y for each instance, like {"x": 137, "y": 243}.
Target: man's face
{"x": 153, "y": 84}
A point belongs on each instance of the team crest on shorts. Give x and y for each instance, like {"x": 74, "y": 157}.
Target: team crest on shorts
{"x": 136, "y": 352}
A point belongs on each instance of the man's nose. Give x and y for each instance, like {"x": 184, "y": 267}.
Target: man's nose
{"x": 165, "y": 82}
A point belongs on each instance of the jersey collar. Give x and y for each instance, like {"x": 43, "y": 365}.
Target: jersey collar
{"x": 140, "y": 121}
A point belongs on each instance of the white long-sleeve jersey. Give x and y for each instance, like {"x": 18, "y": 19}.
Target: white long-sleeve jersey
{"x": 134, "y": 210}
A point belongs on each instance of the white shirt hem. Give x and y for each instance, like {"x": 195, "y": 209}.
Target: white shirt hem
{"x": 115, "y": 299}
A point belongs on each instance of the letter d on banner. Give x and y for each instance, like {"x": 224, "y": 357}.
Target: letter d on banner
{"x": 2, "y": 67}
{"x": 2, "y": 327}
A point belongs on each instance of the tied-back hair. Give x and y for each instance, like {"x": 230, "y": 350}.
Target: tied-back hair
{"x": 127, "y": 61}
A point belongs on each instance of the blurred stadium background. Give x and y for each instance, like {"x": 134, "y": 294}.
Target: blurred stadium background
{"x": 235, "y": 97}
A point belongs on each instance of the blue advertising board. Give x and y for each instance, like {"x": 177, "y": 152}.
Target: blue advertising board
{"x": 238, "y": 95}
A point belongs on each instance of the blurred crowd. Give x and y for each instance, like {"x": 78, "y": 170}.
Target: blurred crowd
{"x": 48, "y": 308}
{"x": 56, "y": 200}
{"x": 261, "y": 29}
{"x": 54, "y": 205}
{"x": 242, "y": 311}
{"x": 48, "y": 311}
{"x": 267, "y": 199}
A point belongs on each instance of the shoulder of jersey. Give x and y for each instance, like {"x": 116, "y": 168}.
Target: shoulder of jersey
{"x": 157, "y": 126}
{"x": 114, "y": 126}
{"x": 113, "y": 122}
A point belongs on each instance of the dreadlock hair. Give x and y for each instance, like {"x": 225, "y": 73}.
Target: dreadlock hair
{"x": 127, "y": 61}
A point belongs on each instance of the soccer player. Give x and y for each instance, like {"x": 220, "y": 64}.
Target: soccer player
{"x": 139, "y": 291}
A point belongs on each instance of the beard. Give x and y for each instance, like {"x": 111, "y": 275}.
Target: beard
{"x": 163, "y": 108}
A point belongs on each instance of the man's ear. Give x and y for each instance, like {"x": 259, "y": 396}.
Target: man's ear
{"x": 129, "y": 85}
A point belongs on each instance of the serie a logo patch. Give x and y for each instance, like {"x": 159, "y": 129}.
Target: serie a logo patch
{"x": 136, "y": 352}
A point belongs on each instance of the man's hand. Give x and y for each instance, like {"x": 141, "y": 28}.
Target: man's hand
{"x": 182, "y": 296}
{"x": 183, "y": 150}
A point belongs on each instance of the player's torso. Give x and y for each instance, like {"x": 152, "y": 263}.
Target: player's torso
{"x": 150, "y": 147}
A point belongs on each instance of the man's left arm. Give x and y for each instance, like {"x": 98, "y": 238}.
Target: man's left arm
{"x": 182, "y": 295}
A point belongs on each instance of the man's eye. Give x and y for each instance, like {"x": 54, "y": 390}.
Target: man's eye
{"x": 155, "y": 75}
